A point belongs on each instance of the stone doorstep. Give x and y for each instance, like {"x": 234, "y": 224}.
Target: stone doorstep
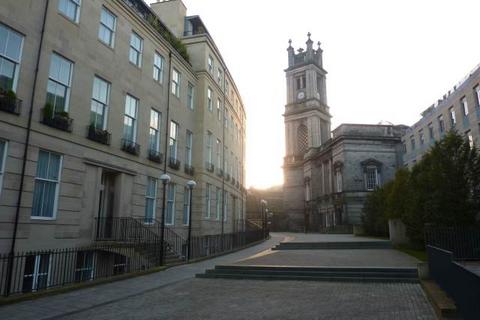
{"x": 444, "y": 307}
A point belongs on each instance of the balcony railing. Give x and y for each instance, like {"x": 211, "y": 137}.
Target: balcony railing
{"x": 59, "y": 120}
{"x": 155, "y": 156}
{"x": 210, "y": 167}
{"x": 189, "y": 170}
{"x": 174, "y": 163}
{"x": 99, "y": 135}
{"x": 9, "y": 103}
{"x": 130, "y": 147}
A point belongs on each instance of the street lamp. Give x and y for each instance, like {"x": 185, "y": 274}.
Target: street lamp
{"x": 165, "y": 178}
{"x": 264, "y": 217}
{"x": 190, "y": 184}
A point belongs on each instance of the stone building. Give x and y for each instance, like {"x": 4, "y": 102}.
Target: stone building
{"x": 274, "y": 206}
{"x": 327, "y": 177}
{"x": 458, "y": 109}
{"x": 98, "y": 99}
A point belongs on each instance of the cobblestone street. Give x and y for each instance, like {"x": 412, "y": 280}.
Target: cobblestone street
{"x": 176, "y": 294}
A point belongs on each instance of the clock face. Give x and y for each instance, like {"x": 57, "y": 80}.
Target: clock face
{"x": 301, "y": 95}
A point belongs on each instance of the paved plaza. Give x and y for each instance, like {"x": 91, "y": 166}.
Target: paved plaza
{"x": 176, "y": 294}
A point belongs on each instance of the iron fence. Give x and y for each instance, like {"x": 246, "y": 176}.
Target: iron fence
{"x": 124, "y": 245}
{"x": 39, "y": 270}
{"x": 462, "y": 242}
{"x": 208, "y": 245}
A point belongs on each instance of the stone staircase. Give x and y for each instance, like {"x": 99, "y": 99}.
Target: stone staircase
{"x": 349, "y": 274}
{"x": 381, "y": 244}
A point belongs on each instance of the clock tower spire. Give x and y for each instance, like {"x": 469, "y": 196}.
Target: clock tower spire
{"x": 307, "y": 122}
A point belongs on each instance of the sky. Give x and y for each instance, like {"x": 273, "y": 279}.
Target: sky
{"x": 386, "y": 60}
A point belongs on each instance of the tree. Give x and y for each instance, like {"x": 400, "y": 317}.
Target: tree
{"x": 374, "y": 219}
{"x": 397, "y": 198}
{"x": 443, "y": 187}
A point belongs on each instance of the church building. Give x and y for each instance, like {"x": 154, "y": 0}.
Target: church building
{"x": 328, "y": 175}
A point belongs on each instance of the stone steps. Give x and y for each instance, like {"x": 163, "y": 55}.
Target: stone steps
{"x": 354, "y": 274}
{"x": 333, "y": 245}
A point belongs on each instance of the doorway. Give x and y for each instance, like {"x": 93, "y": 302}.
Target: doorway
{"x": 105, "y": 215}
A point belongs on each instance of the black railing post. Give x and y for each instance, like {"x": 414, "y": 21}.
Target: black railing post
{"x": 190, "y": 184}
{"x": 165, "y": 180}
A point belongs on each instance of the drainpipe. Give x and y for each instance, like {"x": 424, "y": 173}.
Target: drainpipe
{"x": 224, "y": 169}
{"x": 167, "y": 123}
{"x": 25, "y": 154}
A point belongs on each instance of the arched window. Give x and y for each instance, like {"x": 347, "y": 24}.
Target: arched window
{"x": 302, "y": 139}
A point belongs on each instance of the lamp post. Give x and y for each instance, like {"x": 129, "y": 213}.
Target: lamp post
{"x": 190, "y": 184}
{"x": 165, "y": 178}
{"x": 263, "y": 216}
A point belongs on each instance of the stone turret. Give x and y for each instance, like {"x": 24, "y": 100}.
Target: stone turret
{"x": 305, "y": 56}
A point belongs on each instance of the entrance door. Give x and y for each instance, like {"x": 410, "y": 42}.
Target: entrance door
{"x": 106, "y": 221}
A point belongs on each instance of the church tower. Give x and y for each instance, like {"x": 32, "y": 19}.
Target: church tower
{"x": 307, "y": 124}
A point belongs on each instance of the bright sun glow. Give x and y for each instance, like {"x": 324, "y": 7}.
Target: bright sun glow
{"x": 387, "y": 60}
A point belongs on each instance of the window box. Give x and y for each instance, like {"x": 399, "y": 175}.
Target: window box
{"x": 210, "y": 167}
{"x": 155, "y": 156}
{"x": 174, "y": 163}
{"x": 57, "y": 120}
{"x": 220, "y": 172}
{"x": 130, "y": 147}
{"x": 9, "y": 102}
{"x": 99, "y": 135}
{"x": 189, "y": 170}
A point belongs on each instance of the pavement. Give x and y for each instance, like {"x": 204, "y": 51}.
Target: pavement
{"x": 334, "y": 258}
{"x": 319, "y": 237}
{"x": 176, "y": 294}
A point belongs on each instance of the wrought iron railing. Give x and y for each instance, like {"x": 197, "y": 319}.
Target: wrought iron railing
{"x": 130, "y": 147}
{"x": 189, "y": 170}
{"x": 10, "y": 104}
{"x": 210, "y": 167}
{"x": 59, "y": 120}
{"x": 98, "y": 135}
{"x": 462, "y": 242}
{"x": 124, "y": 245}
{"x": 174, "y": 163}
{"x": 155, "y": 156}
{"x": 60, "y": 267}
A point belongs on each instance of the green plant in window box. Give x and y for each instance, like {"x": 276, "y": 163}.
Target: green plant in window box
{"x": 48, "y": 111}
{"x": 11, "y": 97}
{"x": 62, "y": 114}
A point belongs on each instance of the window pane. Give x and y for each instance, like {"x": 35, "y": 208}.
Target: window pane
{"x": 14, "y": 46}
{"x": 108, "y": 19}
{"x": 3, "y": 38}
{"x": 43, "y": 198}
{"x": 154, "y": 117}
{"x": 186, "y": 205}
{"x": 53, "y": 166}
{"x": 149, "y": 210}
{"x": 60, "y": 69}
{"x": 101, "y": 90}
{"x": 7, "y": 74}
{"x": 151, "y": 187}
{"x": 42, "y": 164}
{"x": 128, "y": 128}
{"x": 2, "y": 155}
